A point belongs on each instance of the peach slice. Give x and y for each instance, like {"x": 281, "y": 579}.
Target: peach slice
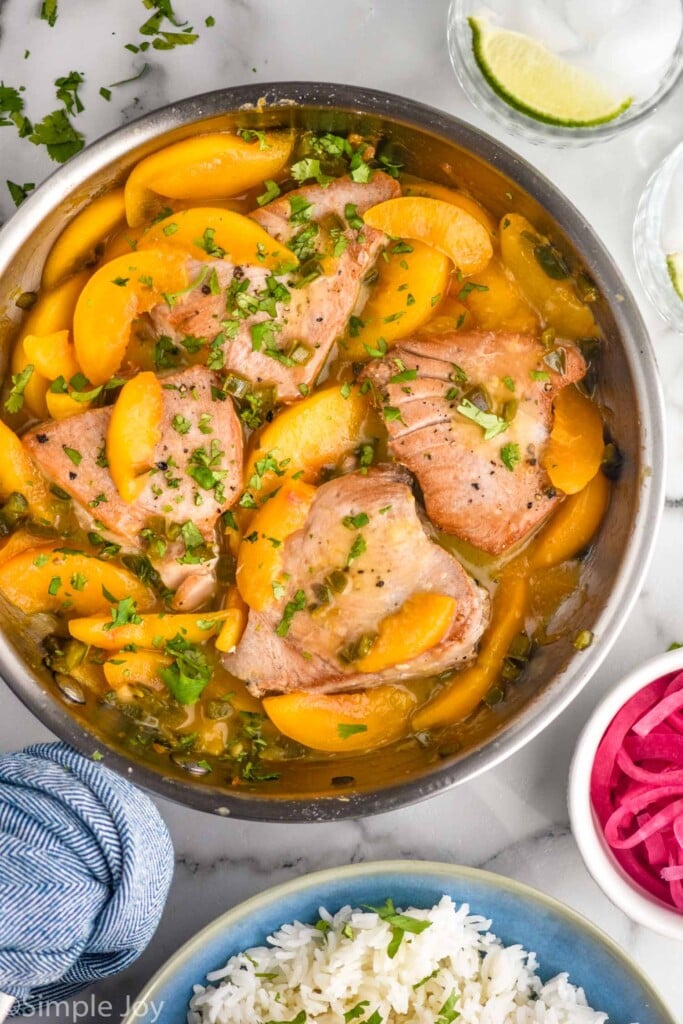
{"x": 234, "y": 624}
{"x": 134, "y": 432}
{"x": 573, "y": 525}
{"x": 19, "y": 474}
{"x": 40, "y": 580}
{"x": 450, "y": 229}
{"x": 409, "y": 287}
{"x": 464, "y": 693}
{"x": 141, "y": 667}
{"x": 207, "y": 233}
{"x": 413, "y": 186}
{"x": 54, "y": 311}
{"x": 206, "y": 167}
{"x": 313, "y": 433}
{"x": 52, "y": 354}
{"x": 574, "y": 451}
{"x": 418, "y": 625}
{"x": 533, "y": 262}
{"x": 115, "y": 295}
{"x": 78, "y": 243}
{"x": 151, "y": 632}
{"x": 342, "y": 722}
{"x": 259, "y": 562}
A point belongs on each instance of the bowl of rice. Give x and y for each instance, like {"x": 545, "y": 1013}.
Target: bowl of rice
{"x": 397, "y": 941}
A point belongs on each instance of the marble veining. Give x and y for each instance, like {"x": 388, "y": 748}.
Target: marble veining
{"x": 512, "y": 820}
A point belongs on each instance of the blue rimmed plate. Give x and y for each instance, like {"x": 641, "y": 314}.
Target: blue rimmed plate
{"x": 562, "y": 939}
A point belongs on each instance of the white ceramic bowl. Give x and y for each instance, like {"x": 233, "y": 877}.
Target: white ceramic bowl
{"x": 607, "y": 872}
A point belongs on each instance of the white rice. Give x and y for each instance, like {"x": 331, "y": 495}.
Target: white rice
{"x": 320, "y": 974}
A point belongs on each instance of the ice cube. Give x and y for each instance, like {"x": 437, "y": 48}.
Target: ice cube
{"x": 591, "y": 20}
{"x": 543, "y": 20}
{"x": 633, "y": 55}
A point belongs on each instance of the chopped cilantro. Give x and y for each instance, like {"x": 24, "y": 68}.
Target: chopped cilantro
{"x": 344, "y": 730}
{"x": 377, "y": 350}
{"x": 207, "y": 243}
{"x": 509, "y": 383}
{"x": 67, "y": 91}
{"x": 15, "y": 399}
{"x": 391, "y": 413}
{"x": 78, "y": 581}
{"x": 210, "y": 21}
{"x": 58, "y": 135}
{"x": 400, "y": 924}
{"x": 299, "y": 208}
{"x": 105, "y": 93}
{"x": 180, "y": 424}
{"x": 297, "y": 604}
{"x": 491, "y": 424}
{"x": 48, "y": 12}
{"x": 251, "y": 135}
{"x": 190, "y": 672}
{"x": 304, "y": 170}
{"x": 402, "y": 375}
{"x": 122, "y": 612}
{"x": 448, "y": 1013}
{"x": 358, "y": 548}
{"x": 353, "y": 218}
{"x": 54, "y": 585}
{"x": 470, "y": 287}
{"x": 356, "y": 522}
{"x": 539, "y": 375}
{"x": 272, "y": 192}
{"x": 73, "y": 454}
{"x": 19, "y": 192}
{"x": 510, "y": 455}
{"x": 356, "y": 1011}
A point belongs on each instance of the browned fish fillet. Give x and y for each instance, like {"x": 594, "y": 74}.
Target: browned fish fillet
{"x": 394, "y": 559}
{"x": 468, "y": 488}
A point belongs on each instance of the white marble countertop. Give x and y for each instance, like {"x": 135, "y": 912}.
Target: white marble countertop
{"x": 514, "y": 819}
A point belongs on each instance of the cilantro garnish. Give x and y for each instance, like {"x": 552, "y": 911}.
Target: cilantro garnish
{"x": 67, "y": 91}
{"x": 510, "y": 455}
{"x": 358, "y": 548}
{"x": 19, "y": 192}
{"x": 491, "y": 424}
{"x": 251, "y": 135}
{"x": 58, "y": 135}
{"x": 304, "y": 170}
{"x": 122, "y": 612}
{"x": 190, "y": 672}
{"x": 470, "y": 287}
{"x": 48, "y": 12}
{"x": 15, "y": 399}
{"x": 356, "y": 1011}
{"x": 207, "y": 243}
{"x": 54, "y": 585}
{"x": 272, "y": 192}
{"x": 180, "y": 424}
{"x": 297, "y": 604}
{"x": 448, "y": 1013}
{"x": 400, "y": 924}
{"x": 344, "y": 730}
{"x": 356, "y": 522}
{"x": 73, "y": 454}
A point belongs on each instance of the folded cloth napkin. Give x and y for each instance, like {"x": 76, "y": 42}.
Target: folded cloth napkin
{"x": 85, "y": 867}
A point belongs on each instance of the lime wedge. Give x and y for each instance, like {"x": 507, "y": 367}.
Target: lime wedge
{"x": 536, "y": 82}
{"x": 674, "y": 264}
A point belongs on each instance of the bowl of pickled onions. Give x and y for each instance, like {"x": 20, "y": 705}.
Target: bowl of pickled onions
{"x": 626, "y": 794}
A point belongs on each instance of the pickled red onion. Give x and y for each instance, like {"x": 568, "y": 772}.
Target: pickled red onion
{"x": 637, "y": 788}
